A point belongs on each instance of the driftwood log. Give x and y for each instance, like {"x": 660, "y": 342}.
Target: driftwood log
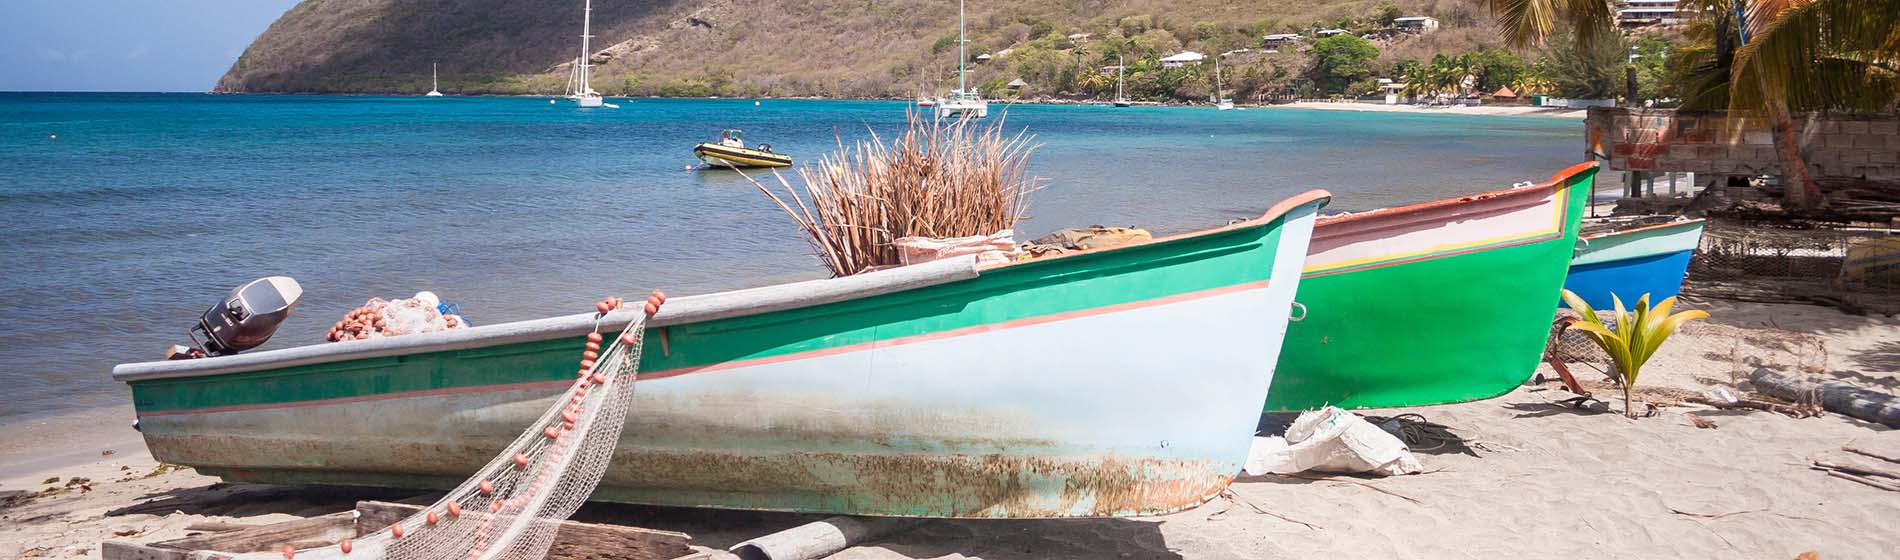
{"x": 818, "y": 539}
{"x": 1835, "y": 396}
{"x": 575, "y": 541}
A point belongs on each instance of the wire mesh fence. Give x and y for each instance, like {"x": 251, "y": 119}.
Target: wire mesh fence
{"x": 1856, "y": 268}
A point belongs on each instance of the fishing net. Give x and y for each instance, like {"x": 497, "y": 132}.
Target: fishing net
{"x": 515, "y": 504}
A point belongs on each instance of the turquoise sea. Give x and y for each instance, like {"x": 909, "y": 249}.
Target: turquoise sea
{"x": 127, "y": 215}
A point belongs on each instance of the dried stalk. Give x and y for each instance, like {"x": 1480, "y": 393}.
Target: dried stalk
{"x": 937, "y": 178}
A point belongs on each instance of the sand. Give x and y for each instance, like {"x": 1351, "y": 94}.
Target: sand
{"x": 1491, "y": 110}
{"x": 1532, "y": 478}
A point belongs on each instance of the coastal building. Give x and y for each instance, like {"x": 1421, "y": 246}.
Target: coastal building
{"x": 1182, "y": 58}
{"x": 1278, "y": 40}
{"x": 1416, "y": 24}
{"x": 1330, "y": 32}
{"x": 1017, "y": 83}
{"x": 982, "y": 58}
{"x": 1638, "y": 13}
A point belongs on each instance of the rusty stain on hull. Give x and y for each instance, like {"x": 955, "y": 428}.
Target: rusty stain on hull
{"x": 992, "y": 485}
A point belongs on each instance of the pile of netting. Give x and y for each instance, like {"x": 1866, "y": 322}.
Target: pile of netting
{"x": 515, "y": 504}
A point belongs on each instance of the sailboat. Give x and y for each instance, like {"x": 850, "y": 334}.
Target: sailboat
{"x": 579, "y": 82}
{"x": 434, "y": 87}
{"x": 963, "y": 102}
{"x": 1221, "y": 103}
{"x": 1120, "y": 67}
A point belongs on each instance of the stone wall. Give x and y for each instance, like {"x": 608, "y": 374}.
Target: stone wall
{"x": 1712, "y": 142}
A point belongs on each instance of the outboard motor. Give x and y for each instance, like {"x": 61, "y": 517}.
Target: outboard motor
{"x": 248, "y": 317}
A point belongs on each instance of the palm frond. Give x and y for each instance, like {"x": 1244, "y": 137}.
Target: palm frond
{"x": 1819, "y": 55}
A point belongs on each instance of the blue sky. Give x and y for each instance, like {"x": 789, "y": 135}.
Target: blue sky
{"x": 126, "y": 45}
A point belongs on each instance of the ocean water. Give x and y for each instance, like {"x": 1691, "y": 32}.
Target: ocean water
{"x": 125, "y": 216}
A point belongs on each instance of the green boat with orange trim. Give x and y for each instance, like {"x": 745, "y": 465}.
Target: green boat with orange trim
{"x": 924, "y": 390}
{"x": 1441, "y": 302}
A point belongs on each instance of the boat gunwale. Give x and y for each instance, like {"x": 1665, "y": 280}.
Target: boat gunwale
{"x": 1650, "y": 227}
{"x": 680, "y": 310}
{"x": 1557, "y": 180}
{"x": 718, "y": 150}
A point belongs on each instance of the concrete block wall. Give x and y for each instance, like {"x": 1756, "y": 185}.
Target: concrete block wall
{"x": 1714, "y": 142}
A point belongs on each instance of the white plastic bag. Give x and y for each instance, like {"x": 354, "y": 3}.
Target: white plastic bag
{"x": 1331, "y": 440}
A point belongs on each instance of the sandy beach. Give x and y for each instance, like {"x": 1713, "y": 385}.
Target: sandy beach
{"x": 1530, "y": 477}
{"x": 1481, "y": 110}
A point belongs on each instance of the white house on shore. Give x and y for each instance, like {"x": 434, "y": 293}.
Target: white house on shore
{"x": 1637, "y": 13}
{"x": 1416, "y": 24}
{"x": 1182, "y": 58}
{"x": 1330, "y": 32}
{"x": 1278, "y": 40}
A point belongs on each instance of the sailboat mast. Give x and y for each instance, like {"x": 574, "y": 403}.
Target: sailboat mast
{"x": 1120, "y": 66}
{"x": 433, "y": 83}
{"x": 587, "y": 33}
{"x": 961, "y": 55}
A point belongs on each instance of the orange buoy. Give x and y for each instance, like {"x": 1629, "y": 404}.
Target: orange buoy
{"x": 602, "y": 307}
{"x": 590, "y": 355}
{"x": 587, "y": 364}
{"x": 553, "y": 432}
{"x": 521, "y": 460}
{"x": 629, "y": 338}
{"x": 488, "y": 487}
{"x": 568, "y": 417}
{"x": 345, "y": 546}
{"x": 593, "y": 346}
{"x": 430, "y": 518}
{"x": 496, "y": 507}
{"x": 652, "y": 308}
{"x": 395, "y": 531}
{"x": 289, "y": 552}
{"x": 593, "y": 337}
{"x": 599, "y": 379}
{"x": 455, "y": 509}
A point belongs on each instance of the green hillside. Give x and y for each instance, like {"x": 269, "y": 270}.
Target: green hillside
{"x": 830, "y": 48}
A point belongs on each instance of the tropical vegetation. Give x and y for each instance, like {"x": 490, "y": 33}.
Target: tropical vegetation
{"x": 1631, "y": 338}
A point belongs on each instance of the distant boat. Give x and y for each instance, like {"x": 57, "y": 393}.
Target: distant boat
{"x": 964, "y": 102}
{"x": 926, "y": 102}
{"x": 1433, "y": 303}
{"x": 1630, "y": 262}
{"x": 730, "y": 151}
{"x": 1120, "y": 65}
{"x": 434, "y": 88}
{"x": 1220, "y": 103}
{"x": 580, "y": 79}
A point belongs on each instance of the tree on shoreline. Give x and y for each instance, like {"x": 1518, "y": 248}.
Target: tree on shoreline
{"x": 1793, "y": 55}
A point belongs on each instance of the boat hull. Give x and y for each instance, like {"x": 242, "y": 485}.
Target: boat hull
{"x": 1435, "y": 303}
{"x": 717, "y": 155}
{"x": 1111, "y": 383}
{"x": 1647, "y": 260}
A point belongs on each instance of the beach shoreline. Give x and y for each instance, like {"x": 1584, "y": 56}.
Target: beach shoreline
{"x": 1585, "y": 483}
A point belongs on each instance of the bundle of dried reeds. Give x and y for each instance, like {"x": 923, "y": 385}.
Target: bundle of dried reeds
{"x": 938, "y": 178}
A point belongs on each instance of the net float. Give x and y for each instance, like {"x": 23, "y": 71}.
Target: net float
{"x": 345, "y": 545}
{"x": 289, "y": 552}
{"x": 521, "y": 460}
{"x": 488, "y": 487}
{"x": 395, "y": 531}
{"x": 594, "y": 337}
{"x": 553, "y": 432}
{"x": 431, "y": 518}
{"x": 455, "y": 509}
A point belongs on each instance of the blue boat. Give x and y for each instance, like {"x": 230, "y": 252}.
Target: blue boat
{"x": 1649, "y": 259}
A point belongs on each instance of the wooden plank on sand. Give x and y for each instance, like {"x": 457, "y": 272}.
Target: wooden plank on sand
{"x": 323, "y": 529}
{"x": 575, "y": 541}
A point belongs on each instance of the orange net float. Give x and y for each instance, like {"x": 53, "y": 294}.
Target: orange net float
{"x": 488, "y": 487}
{"x": 521, "y": 460}
{"x": 290, "y": 552}
{"x": 395, "y": 531}
{"x": 553, "y": 432}
{"x": 345, "y": 545}
{"x": 455, "y": 509}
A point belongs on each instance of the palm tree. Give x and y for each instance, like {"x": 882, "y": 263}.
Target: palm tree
{"x": 1808, "y": 54}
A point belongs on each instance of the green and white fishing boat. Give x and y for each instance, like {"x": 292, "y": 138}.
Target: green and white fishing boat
{"x": 1114, "y": 382}
{"x": 1441, "y": 302}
